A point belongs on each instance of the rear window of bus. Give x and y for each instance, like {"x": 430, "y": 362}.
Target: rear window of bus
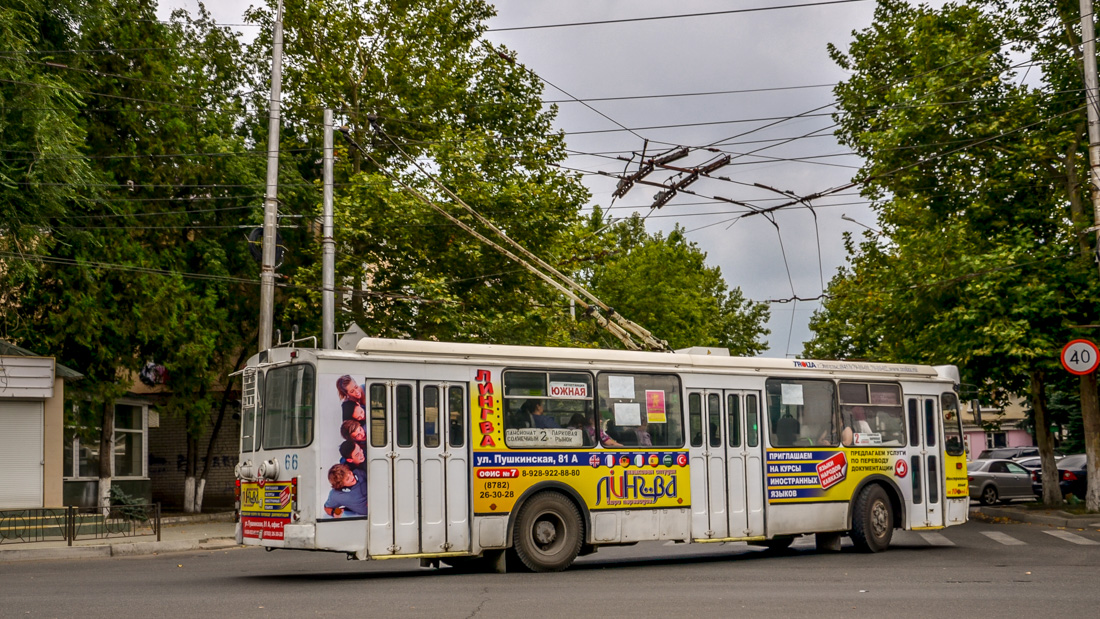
{"x": 288, "y": 407}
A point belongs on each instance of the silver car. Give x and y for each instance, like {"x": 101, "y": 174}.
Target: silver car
{"x": 998, "y": 480}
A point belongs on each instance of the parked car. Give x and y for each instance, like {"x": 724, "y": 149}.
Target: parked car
{"x": 1008, "y": 453}
{"x": 1034, "y": 463}
{"x": 998, "y": 480}
{"x": 1072, "y": 477}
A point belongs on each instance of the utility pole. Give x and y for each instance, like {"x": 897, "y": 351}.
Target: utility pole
{"x": 1092, "y": 86}
{"x": 1090, "y": 407}
{"x": 328, "y": 258}
{"x": 271, "y": 200}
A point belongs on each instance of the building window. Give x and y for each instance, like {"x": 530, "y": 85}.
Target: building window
{"x": 81, "y": 447}
{"x": 996, "y": 439}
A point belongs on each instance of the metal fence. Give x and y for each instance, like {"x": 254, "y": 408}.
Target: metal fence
{"x": 72, "y": 523}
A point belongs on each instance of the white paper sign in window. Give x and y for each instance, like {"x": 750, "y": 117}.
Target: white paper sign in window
{"x": 792, "y": 395}
{"x": 621, "y": 387}
{"x": 543, "y": 437}
{"x": 628, "y": 414}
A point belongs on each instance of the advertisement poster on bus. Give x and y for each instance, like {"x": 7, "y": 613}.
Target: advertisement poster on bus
{"x": 343, "y": 446}
{"x": 634, "y": 478}
{"x": 812, "y": 475}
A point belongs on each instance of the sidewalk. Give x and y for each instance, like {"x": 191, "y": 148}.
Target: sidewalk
{"x": 1049, "y": 517}
{"x": 178, "y": 533}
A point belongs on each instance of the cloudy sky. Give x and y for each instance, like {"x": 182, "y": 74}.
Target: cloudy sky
{"x": 752, "y": 84}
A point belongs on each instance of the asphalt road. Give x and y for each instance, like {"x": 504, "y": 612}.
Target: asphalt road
{"x": 979, "y": 569}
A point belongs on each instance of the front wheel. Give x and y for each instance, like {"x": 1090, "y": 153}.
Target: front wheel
{"x": 989, "y": 495}
{"x": 872, "y": 520}
{"x": 548, "y": 533}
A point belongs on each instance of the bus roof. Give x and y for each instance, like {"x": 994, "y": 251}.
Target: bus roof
{"x": 516, "y": 355}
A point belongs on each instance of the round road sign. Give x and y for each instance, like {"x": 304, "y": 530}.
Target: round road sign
{"x": 1080, "y": 357}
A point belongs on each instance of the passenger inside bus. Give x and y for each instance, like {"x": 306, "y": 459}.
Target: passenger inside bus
{"x": 531, "y": 415}
{"x": 787, "y": 430}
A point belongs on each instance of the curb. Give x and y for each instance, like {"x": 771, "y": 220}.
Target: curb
{"x": 127, "y": 549}
{"x": 197, "y": 518}
{"x": 73, "y": 552}
{"x": 1052, "y": 518}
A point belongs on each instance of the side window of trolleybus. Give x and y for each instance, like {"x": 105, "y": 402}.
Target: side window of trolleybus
{"x": 952, "y": 428}
{"x": 548, "y": 409}
{"x": 288, "y": 407}
{"x": 802, "y": 413}
{"x": 641, "y": 409}
{"x": 874, "y": 413}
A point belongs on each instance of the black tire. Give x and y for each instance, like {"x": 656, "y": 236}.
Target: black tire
{"x": 989, "y": 495}
{"x": 872, "y": 520}
{"x": 548, "y": 533}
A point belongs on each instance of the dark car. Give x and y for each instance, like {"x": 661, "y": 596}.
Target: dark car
{"x": 991, "y": 481}
{"x": 1072, "y": 477}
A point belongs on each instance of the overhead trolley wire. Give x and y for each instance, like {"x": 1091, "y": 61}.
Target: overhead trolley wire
{"x": 679, "y": 16}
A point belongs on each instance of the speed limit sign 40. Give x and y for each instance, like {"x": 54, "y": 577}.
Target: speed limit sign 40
{"x": 1080, "y": 357}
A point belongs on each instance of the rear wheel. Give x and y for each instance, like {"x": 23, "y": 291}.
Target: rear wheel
{"x": 872, "y": 520}
{"x": 989, "y": 495}
{"x": 548, "y": 533}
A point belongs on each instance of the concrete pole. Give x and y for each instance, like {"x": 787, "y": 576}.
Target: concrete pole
{"x": 328, "y": 262}
{"x": 1090, "y": 416}
{"x": 1088, "y": 40}
{"x": 271, "y": 201}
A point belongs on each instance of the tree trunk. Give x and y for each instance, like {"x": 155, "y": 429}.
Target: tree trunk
{"x": 1090, "y": 414}
{"x": 106, "y": 454}
{"x": 199, "y": 489}
{"x": 189, "y": 476}
{"x": 1052, "y": 494}
{"x": 189, "y": 494}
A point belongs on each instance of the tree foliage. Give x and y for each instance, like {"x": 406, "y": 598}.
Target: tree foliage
{"x": 973, "y": 172}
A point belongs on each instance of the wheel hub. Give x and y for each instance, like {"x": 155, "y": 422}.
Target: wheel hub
{"x": 879, "y": 514}
{"x": 545, "y": 532}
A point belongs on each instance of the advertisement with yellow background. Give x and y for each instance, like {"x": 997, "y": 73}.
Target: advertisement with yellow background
{"x": 815, "y": 475}
{"x": 623, "y": 479}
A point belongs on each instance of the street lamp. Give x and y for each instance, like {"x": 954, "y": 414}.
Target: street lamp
{"x": 875, "y": 230}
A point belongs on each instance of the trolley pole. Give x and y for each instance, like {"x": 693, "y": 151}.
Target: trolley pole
{"x": 328, "y": 261}
{"x": 271, "y": 201}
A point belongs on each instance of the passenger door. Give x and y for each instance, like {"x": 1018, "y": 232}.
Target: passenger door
{"x": 727, "y": 480}
{"x": 925, "y": 466}
{"x": 444, "y": 469}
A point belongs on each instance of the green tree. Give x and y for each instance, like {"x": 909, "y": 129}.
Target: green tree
{"x": 461, "y": 108}
{"x": 154, "y": 266}
{"x": 968, "y": 170}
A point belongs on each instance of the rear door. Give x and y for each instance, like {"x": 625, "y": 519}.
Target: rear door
{"x": 744, "y": 464}
{"x": 393, "y": 480}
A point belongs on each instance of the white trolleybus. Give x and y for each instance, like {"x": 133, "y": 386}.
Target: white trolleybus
{"x": 525, "y": 456}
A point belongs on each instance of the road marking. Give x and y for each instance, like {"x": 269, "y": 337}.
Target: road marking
{"x": 935, "y": 539}
{"x": 1003, "y": 538}
{"x": 1070, "y": 537}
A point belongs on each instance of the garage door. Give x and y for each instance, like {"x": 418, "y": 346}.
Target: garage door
{"x": 20, "y": 455}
